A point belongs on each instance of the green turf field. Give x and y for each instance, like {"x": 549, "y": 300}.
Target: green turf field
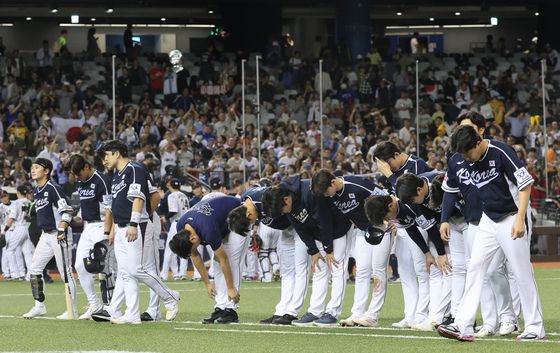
{"x": 257, "y": 302}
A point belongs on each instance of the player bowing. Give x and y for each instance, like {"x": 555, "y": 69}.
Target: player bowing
{"x": 348, "y": 194}
{"x": 206, "y": 224}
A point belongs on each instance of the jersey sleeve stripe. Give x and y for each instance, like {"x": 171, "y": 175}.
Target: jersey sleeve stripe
{"x": 104, "y": 184}
{"x": 504, "y": 152}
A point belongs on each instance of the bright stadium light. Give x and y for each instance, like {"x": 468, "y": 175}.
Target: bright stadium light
{"x": 432, "y": 19}
{"x": 75, "y": 18}
{"x": 494, "y": 21}
{"x": 28, "y": 18}
{"x": 399, "y": 13}
{"x": 54, "y": 10}
{"x": 93, "y": 19}
{"x": 536, "y": 14}
{"x": 457, "y": 13}
{"x": 163, "y": 19}
{"x": 109, "y": 10}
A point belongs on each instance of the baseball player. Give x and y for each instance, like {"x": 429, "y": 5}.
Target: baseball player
{"x": 4, "y": 210}
{"x": 54, "y": 215}
{"x": 324, "y": 233}
{"x": 177, "y": 205}
{"x": 496, "y": 304}
{"x": 418, "y": 190}
{"x": 293, "y": 254}
{"x": 133, "y": 236}
{"x": 393, "y": 163}
{"x": 206, "y": 223}
{"x": 505, "y": 186}
{"x": 95, "y": 197}
{"x": 348, "y": 194}
{"x": 16, "y": 230}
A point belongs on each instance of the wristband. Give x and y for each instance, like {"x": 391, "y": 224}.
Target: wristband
{"x": 133, "y": 224}
{"x": 66, "y": 218}
{"x": 6, "y": 229}
{"x": 135, "y": 217}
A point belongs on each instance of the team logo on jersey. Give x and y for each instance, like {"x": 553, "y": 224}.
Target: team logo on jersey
{"x": 116, "y": 188}
{"x": 352, "y": 196}
{"x": 346, "y": 206}
{"x": 92, "y": 185}
{"x": 301, "y": 217}
{"x": 463, "y": 175}
{"x": 481, "y": 178}
{"x": 46, "y": 193}
{"x": 204, "y": 208}
{"x": 86, "y": 194}
{"x": 492, "y": 163}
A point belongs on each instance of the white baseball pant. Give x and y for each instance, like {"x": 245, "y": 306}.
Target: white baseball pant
{"x": 491, "y": 237}
{"x": 320, "y": 285}
{"x": 370, "y": 259}
{"x": 19, "y": 251}
{"x": 47, "y": 247}
{"x": 458, "y": 259}
{"x": 286, "y": 252}
{"x": 136, "y": 263}
{"x": 170, "y": 260}
{"x": 235, "y": 247}
{"x": 5, "y": 262}
{"x": 92, "y": 233}
{"x": 495, "y": 300}
{"x": 414, "y": 278}
{"x": 302, "y": 263}
{"x": 268, "y": 256}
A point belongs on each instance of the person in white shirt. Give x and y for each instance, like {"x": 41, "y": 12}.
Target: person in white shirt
{"x": 404, "y": 132}
{"x": 404, "y": 106}
{"x": 352, "y": 142}
{"x": 414, "y": 44}
{"x": 168, "y": 157}
{"x": 288, "y": 158}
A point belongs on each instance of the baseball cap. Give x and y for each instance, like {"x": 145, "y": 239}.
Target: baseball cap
{"x": 175, "y": 183}
{"x": 216, "y": 183}
{"x": 23, "y": 189}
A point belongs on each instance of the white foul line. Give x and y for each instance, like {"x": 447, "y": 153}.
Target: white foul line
{"x": 317, "y": 333}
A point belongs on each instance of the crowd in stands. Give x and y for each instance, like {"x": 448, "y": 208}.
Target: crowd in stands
{"x": 57, "y": 102}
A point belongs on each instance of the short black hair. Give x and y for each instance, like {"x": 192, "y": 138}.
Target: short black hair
{"x": 377, "y": 207}
{"x": 475, "y": 117}
{"x": 237, "y": 220}
{"x": 273, "y": 201}
{"x": 386, "y": 150}
{"x": 436, "y": 191}
{"x": 45, "y": 163}
{"x": 115, "y": 146}
{"x": 464, "y": 139}
{"x": 321, "y": 181}
{"x": 76, "y": 164}
{"x": 180, "y": 244}
{"x": 407, "y": 185}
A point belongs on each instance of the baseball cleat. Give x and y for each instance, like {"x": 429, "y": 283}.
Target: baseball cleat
{"x": 122, "y": 321}
{"x": 484, "y": 332}
{"x": 35, "y": 311}
{"x": 306, "y": 320}
{"x": 285, "y": 319}
{"x": 89, "y": 312}
{"x": 529, "y": 336}
{"x": 229, "y": 316}
{"x": 426, "y": 325}
{"x": 401, "y": 324}
{"x": 172, "y": 311}
{"x": 366, "y": 321}
{"x": 213, "y": 317}
{"x": 145, "y": 316}
{"x": 507, "y": 328}
{"x": 326, "y": 320}
{"x": 349, "y": 322}
{"x": 101, "y": 316}
{"x": 268, "y": 321}
{"x": 63, "y": 316}
{"x": 452, "y": 332}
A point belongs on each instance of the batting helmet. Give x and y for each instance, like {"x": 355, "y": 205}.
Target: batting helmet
{"x": 99, "y": 258}
{"x": 374, "y": 235}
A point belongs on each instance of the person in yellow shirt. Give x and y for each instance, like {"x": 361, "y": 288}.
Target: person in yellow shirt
{"x": 19, "y": 130}
{"x": 498, "y": 108}
{"x": 374, "y": 56}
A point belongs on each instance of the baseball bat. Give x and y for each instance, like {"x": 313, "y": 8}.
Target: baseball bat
{"x": 67, "y": 291}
